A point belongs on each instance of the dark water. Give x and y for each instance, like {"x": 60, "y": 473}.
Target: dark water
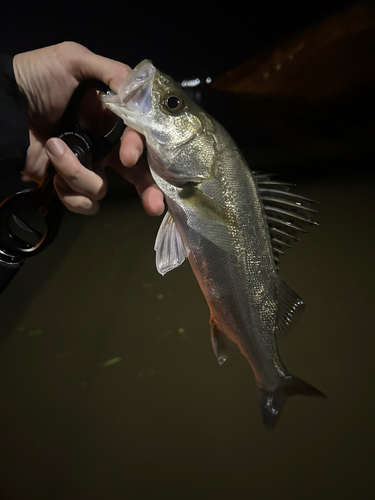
{"x": 109, "y": 387}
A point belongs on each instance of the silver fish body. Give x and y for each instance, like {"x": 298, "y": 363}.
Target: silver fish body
{"x": 230, "y": 253}
{"x": 217, "y": 219}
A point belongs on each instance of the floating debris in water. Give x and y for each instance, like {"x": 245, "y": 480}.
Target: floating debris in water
{"x": 152, "y": 285}
{"x": 111, "y": 362}
{"x": 165, "y": 334}
{"x": 150, "y": 373}
{"x": 36, "y": 332}
{"x": 182, "y": 333}
{"x": 157, "y": 289}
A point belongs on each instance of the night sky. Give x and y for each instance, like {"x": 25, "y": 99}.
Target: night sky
{"x": 182, "y": 39}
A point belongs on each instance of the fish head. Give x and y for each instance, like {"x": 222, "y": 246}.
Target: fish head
{"x": 154, "y": 105}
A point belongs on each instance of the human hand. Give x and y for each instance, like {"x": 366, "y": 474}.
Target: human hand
{"x": 47, "y": 78}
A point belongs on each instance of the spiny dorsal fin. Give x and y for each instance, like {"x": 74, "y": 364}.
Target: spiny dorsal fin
{"x": 291, "y": 307}
{"x": 288, "y": 214}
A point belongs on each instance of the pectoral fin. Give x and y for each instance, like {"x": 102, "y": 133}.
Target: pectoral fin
{"x": 169, "y": 247}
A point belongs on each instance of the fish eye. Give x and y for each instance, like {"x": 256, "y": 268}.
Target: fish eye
{"x": 173, "y": 103}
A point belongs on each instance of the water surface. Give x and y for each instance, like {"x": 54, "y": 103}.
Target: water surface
{"x": 109, "y": 387}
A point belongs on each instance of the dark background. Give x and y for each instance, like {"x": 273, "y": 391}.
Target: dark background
{"x": 182, "y": 38}
{"x": 319, "y": 107}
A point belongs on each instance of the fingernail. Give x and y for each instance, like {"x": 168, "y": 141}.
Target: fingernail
{"x": 54, "y": 147}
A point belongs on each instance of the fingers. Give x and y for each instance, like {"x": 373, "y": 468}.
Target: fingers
{"x": 75, "y": 202}
{"x": 152, "y": 200}
{"x": 78, "y": 188}
{"x": 139, "y": 175}
{"x": 81, "y": 63}
{"x": 131, "y": 147}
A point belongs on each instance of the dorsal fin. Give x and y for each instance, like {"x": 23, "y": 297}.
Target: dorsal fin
{"x": 288, "y": 214}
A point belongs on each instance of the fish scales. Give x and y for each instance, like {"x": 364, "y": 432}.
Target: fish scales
{"x": 245, "y": 265}
{"x": 217, "y": 220}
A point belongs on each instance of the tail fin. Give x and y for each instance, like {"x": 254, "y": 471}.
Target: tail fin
{"x": 272, "y": 402}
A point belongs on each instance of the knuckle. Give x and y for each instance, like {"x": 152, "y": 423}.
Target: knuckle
{"x": 74, "y": 170}
{"x": 68, "y": 46}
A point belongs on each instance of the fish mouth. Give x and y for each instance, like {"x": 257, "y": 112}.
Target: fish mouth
{"x": 134, "y": 94}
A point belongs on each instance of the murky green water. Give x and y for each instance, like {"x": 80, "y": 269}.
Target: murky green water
{"x": 109, "y": 387}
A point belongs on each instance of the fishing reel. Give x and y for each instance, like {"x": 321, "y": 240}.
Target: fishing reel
{"x": 30, "y": 219}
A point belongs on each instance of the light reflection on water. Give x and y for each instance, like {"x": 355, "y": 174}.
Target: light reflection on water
{"x": 109, "y": 387}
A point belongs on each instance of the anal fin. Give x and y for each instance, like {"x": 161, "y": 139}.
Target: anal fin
{"x": 223, "y": 347}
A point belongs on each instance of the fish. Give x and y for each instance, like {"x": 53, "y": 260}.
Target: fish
{"x": 232, "y": 224}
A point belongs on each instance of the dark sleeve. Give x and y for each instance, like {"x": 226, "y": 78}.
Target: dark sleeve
{"x": 14, "y": 131}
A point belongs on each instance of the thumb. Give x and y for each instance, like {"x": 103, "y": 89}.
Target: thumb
{"x": 83, "y": 64}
